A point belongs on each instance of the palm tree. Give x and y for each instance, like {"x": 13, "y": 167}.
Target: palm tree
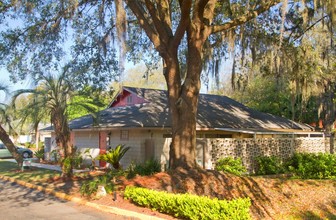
{"x": 33, "y": 113}
{"x": 53, "y": 95}
{"x": 4, "y": 137}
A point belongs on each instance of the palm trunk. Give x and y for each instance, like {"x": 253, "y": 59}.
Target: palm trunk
{"x": 4, "y": 137}
{"x": 62, "y": 134}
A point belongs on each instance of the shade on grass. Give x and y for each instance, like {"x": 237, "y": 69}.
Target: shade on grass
{"x": 33, "y": 174}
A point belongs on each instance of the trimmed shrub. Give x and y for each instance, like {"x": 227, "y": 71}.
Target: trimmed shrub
{"x": 268, "y": 165}
{"x": 189, "y": 206}
{"x": 313, "y": 166}
{"x": 230, "y": 165}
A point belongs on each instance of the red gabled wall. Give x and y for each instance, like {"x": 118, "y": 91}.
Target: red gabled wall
{"x": 121, "y": 100}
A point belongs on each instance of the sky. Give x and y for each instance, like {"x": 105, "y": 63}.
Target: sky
{"x": 5, "y": 80}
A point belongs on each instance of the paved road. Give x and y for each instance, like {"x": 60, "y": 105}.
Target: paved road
{"x": 18, "y": 202}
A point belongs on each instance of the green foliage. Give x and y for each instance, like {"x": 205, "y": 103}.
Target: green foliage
{"x": 40, "y": 144}
{"x": 302, "y": 165}
{"x": 90, "y": 187}
{"x": 188, "y": 206}
{"x": 75, "y": 161}
{"x": 114, "y": 156}
{"x": 39, "y": 153}
{"x": 87, "y": 101}
{"x": 55, "y": 155}
{"x": 93, "y": 162}
{"x": 230, "y": 165}
{"x": 275, "y": 96}
{"x": 267, "y": 165}
{"x": 313, "y": 166}
{"x": 150, "y": 167}
{"x": 66, "y": 163}
{"x": 28, "y": 145}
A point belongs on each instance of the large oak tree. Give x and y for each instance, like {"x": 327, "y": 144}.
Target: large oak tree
{"x": 186, "y": 34}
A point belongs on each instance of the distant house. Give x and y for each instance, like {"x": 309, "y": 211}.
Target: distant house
{"x": 140, "y": 118}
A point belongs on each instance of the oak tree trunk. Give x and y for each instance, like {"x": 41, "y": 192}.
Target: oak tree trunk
{"x": 183, "y": 103}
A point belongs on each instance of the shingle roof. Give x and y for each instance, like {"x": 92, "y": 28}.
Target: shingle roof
{"x": 213, "y": 112}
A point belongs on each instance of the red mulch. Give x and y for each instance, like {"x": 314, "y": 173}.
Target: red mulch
{"x": 275, "y": 197}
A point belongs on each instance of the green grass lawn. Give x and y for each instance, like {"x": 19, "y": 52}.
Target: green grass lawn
{"x": 33, "y": 174}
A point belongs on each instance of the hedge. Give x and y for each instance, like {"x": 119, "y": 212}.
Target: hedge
{"x": 189, "y": 206}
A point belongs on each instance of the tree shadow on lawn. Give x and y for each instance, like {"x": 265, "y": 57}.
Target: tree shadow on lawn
{"x": 43, "y": 177}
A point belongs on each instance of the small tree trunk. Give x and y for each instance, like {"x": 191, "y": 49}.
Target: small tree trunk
{"x": 37, "y": 138}
{"x": 332, "y": 142}
{"x": 10, "y": 146}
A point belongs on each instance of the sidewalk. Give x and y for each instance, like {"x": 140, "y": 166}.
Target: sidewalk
{"x": 49, "y": 166}
{"x": 78, "y": 200}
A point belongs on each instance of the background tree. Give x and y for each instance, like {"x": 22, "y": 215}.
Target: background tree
{"x": 140, "y": 76}
{"x": 88, "y": 101}
{"x": 52, "y": 95}
{"x": 302, "y": 69}
{"x": 31, "y": 113}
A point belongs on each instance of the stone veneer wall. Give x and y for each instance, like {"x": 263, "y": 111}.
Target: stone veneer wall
{"x": 249, "y": 148}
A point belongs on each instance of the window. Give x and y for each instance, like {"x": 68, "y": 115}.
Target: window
{"x": 124, "y": 135}
{"x": 129, "y": 99}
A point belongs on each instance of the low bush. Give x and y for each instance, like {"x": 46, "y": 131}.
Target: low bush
{"x": 90, "y": 187}
{"x": 39, "y": 154}
{"x": 313, "y": 166}
{"x": 113, "y": 156}
{"x": 302, "y": 165}
{"x": 230, "y": 165}
{"x": 187, "y": 206}
{"x": 150, "y": 167}
{"x": 268, "y": 165}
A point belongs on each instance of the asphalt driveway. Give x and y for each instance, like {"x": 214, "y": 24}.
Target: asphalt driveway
{"x": 18, "y": 202}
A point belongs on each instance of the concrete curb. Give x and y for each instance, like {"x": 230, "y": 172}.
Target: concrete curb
{"x": 104, "y": 208}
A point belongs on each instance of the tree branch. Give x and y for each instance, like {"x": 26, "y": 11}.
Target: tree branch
{"x": 184, "y": 21}
{"x": 144, "y": 22}
{"x": 158, "y": 24}
{"x": 310, "y": 27}
{"x": 244, "y": 18}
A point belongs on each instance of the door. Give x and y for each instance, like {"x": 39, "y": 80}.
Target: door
{"x": 102, "y": 146}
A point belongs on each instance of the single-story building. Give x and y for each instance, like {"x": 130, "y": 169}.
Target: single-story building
{"x": 139, "y": 118}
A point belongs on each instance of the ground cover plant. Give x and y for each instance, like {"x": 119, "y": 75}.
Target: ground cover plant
{"x": 90, "y": 187}
{"x": 147, "y": 168}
